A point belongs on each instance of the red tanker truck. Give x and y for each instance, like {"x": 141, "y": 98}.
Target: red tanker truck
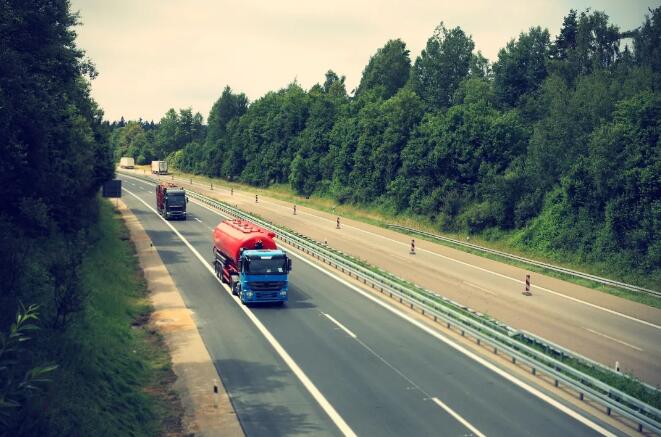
{"x": 247, "y": 258}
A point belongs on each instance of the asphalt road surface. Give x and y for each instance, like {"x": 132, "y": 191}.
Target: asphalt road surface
{"x": 600, "y": 326}
{"x": 333, "y": 361}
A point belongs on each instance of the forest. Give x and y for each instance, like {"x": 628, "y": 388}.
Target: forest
{"x": 68, "y": 361}
{"x": 553, "y": 146}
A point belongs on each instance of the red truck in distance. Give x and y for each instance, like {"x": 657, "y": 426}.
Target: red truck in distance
{"x": 171, "y": 201}
{"x": 247, "y": 258}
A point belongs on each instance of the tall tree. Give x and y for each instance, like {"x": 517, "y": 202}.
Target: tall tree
{"x": 227, "y": 107}
{"x": 647, "y": 41}
{"x": 388, "y": 69}
{"x": 521, "y": 66}
{"x": 443, "y": 64}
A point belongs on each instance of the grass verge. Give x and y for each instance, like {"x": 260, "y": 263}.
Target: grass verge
{"x": 114, "y": 376}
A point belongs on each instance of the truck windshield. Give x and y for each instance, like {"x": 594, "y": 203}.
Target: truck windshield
{"x": 176, "y": 199}
{"x": 262, "y": 266}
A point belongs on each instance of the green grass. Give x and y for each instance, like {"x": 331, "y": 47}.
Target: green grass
{"x": 626, "y": 383}
{"x": 503, "y": 241}
{"x": 114, "y": 373}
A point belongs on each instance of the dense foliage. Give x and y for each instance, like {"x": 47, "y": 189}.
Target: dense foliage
{"x": 54, "y": 154}
{"x": 553, "y": 146}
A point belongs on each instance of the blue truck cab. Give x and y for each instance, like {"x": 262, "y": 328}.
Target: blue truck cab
{"x": 263, "y": 276}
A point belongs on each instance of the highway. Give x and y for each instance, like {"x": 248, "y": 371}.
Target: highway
{"x": 598, "y": 325}
{"x": 333, "y": 361}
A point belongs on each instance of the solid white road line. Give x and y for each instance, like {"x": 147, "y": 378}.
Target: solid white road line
{"x": 197, "y": 219}
{"x": 511, "y": 378}
{"x": 614, "y": 339}
{"x": 518, "y": 281}
{"x": 341, "y": 326}
{"x": 344, "y": 328}
{"x": 307, "y": 383}
{"x": 459, "y": 419}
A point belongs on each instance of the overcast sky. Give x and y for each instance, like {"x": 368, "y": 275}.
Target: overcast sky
{"x": 153, "y": 55}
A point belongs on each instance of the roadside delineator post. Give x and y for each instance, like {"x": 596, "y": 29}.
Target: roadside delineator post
{"x": 191, "y": 181}
{"x": 211, "y": 183}
{"x": 527, "y": 292}
{"x": 337, "y": 223}
{"x": 412, "y": 252}
{"x": 325, "y": 241}
{"x": 215, "y": 393}
{"x": 256, "y": 199}
{"x": 231, "y": 191}
{"x": 617, "y": 366}
{"x": 294, "y": 209}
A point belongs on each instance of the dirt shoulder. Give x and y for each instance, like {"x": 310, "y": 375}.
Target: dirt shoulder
{"x": 205, "y": 413}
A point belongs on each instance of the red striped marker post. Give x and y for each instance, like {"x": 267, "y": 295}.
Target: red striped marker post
{"x": 527, "y": 292}
{"x": 337, "y": 224}
{"x": 412, "y": 252}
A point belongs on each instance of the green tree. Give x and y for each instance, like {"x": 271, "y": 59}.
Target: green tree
{"x": 443, "y": 64}
{"x": 388, "y": 69}
{"x": 521, "y": 66}
{"x": 647, "y": 41}
{"x": 227, "y": 107}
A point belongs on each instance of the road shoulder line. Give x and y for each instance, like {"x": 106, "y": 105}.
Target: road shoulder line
{"x": 289, "y": 361}
{"x": 196, "y": 374}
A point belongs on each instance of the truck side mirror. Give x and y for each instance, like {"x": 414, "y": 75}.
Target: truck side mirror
{"x": 288, "y": 265}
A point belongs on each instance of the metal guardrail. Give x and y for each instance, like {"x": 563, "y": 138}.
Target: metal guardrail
{"x": 599, "y": 279}
{"x": 499, "y": 337}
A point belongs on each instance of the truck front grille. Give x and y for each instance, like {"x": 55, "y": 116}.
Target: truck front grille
{"x": 269, "y": 295}
{"x": 266, "y": 285}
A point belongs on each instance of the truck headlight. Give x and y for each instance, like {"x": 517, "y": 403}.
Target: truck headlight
{"x": 249, "y": 294}
{"x": 283, "y": 293}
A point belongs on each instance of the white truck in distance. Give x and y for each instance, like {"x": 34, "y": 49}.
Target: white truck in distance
{"x": 126, "y": 162}
{"x": 159, "y": 167}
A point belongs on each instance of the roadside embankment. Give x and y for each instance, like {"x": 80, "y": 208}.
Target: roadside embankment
{"x": 205, "y": 413}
